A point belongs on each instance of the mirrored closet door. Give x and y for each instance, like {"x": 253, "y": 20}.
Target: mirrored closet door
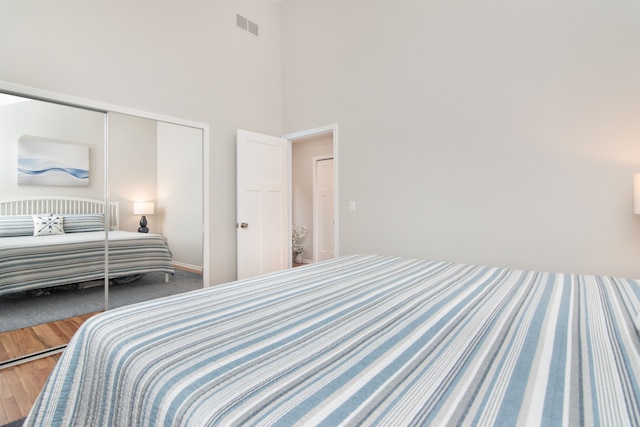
{"x": 132, "y": 185}
{"x": 52, "y": 218}
{"x": 156, "y": 178}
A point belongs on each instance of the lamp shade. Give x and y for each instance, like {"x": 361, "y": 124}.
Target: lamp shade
{"x": 143, "y": 208}
{"x": 636, "y": 194}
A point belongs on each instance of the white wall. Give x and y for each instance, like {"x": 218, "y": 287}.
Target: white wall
{"x": 482, "y": 132}
{"x": 186, "y": 60}
{"x": 494, "y": 133}
{"x": 56, "y": 122}
{"x": 179, "y": 202}
{"x": 133, "y": 167}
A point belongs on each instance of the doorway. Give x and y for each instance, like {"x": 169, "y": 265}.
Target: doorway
{"x": 307, "y": 209}
{"x": 264, "y": 237}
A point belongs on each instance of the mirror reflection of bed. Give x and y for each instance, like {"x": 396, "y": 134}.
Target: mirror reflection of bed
{"x": 146, "y": 161}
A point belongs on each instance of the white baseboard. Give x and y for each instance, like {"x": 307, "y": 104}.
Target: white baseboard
{"x": 188, "y": 267}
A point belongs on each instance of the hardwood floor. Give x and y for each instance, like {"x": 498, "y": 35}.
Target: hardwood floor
{"x": 21, "y": 384}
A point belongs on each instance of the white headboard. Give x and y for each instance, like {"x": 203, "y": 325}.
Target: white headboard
{"x": 59, "y": 205}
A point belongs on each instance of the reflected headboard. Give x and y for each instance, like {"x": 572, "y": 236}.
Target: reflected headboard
{"x": 59, "y": 205}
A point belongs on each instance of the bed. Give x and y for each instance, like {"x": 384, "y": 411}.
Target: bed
{"x": 360, "y": 340}
{"x": 47, "y": 242}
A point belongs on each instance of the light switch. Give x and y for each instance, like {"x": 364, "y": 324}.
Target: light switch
{"x": 352, "y": 206}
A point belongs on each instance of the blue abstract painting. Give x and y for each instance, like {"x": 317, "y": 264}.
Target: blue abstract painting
{"x": 45, "y": 162}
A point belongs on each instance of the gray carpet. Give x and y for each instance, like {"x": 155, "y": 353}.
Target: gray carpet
{"x": 19, "y": 311}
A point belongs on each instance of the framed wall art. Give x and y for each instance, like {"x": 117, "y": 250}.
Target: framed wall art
{"x": 48, "y": 162}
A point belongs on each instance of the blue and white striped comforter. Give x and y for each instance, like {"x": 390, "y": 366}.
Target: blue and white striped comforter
{"x": 360, "y": 340}
{"x": 28, "y": 262}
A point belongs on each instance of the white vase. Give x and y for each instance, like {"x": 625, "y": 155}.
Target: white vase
{"x": 298, "y": 258}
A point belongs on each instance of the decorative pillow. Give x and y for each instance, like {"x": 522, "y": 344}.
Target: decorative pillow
{"x": 82, "y": 223}
{"x": 47, "y": 225}
{"x": 18, "y": 225}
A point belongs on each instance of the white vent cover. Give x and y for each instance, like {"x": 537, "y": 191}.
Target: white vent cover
{"x": 247, "y": 25}
{"x": 253, "y": 28}
{"x": 241, "y": 22}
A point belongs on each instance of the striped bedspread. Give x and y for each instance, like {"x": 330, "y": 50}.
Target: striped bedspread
{"x": 28, "y": 262}
{"x": 360, "y": 340}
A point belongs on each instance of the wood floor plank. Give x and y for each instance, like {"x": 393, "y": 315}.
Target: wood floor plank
{"x": 40, "y": 337}
{"x": 50, "y": 335}
{"x": 21, "y": 384}
{"x": 20, "y": 342}
{"x": 9, "y": 410}
{"x": 20, "y": 393}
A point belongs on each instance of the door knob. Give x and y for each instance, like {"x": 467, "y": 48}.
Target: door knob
{"x": 243, "y": 225}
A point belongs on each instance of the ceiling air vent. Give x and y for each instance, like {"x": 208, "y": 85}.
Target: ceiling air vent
{"x": 247, "y": 25}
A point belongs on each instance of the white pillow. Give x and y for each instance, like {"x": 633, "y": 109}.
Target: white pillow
{"x": 47, "y": 225}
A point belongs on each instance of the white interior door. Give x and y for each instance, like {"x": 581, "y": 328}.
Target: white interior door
{"x": 323, "y": 209}
{"x": 263, "y": 243}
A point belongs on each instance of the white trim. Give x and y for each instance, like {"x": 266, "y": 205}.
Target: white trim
{"x": 31, "y": 357}
{"x": 106, "y": 216}
{"x": 321, "y": 130}
{"x": 45, "y": 95}
{"x": 56, "y": 97}
{"x": 206, "y": 245}
{"x": 185, "y": 266}
{"x": 290, "y": 201}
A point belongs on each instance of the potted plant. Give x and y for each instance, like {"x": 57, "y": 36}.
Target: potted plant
{"x": 297, "y": 236}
